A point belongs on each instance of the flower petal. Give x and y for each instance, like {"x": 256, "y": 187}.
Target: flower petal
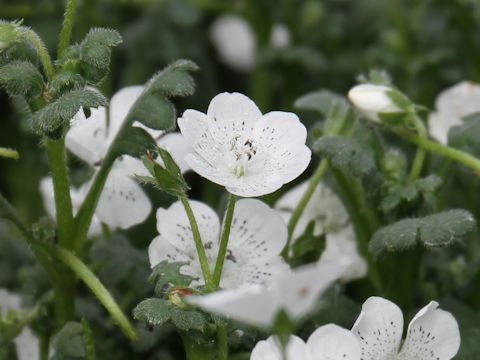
{"x": 46, "y": 190}
{"x": 87, "y": 138}
{"x": 194, "y": 127}
{"x": 270, "y": 349}
{"x": 173, "y": 224}
{"x": 432, "y": 334}
{"x": 232, "y": 115}
{"x": 379, "y": 329}
{"x": 178, "y": 147}
{"x": 332, "y": 342}
{"x": 252, "y": 304}
{"x": 206, "y": 170}
{"x": 120, "y": 105}
{"x": 122, "y": 203}
{"x": 160, "y": 250}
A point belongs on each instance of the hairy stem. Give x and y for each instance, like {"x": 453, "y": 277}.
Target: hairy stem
{"x": 67, "y": 26}
{"x": 202, "y": 256}
{"x": 421, "y": 152}
{"x": 98, "y": 289}
{"x": 222, "y": 251}
{"x": 222, "y": 342}
{"x": 297, "y": 213}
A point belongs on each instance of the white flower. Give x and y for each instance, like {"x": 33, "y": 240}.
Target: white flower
{"x": 236, "y": 146}
{"x": 257, "y": 237}
{"x": 294, "y": 292}
{"x": 328, "y": 342}
{"x": 122, "y": 203}
{"x": 77, "y": 196}
{"x": 331, "y": 218}
{"x": 372, "y": 100}
{"x": 452, "y": 105}
{"x": 236, "y": 43}
{"x": 432, "y": 333}
{"x": 26, "y": 342}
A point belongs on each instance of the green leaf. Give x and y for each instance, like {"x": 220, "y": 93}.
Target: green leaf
{"x": 400, "y": 99}
{"x": 308, "y": 247}
{"x": 8, "y": 33}
{"x": 465, "y": 136}
{"x": 136, "y": 144}
{"x": 156, "y": 112}
{"x": 321, "y": 101}
{"x": 69, "y": 342}
{"x": 167, "y": 274}
{"x": 95, "y": 53}
{"x": 21, "y": 78}
{"x": 89, "y": 340}
{"x": 350, "y": 156}
{"x": 437, "y": 230}
{"x": 58, "y": 114}
{"x": 153, "y": 311}
{"x": 64, "y": 82}
{"x": 188, "y": 319}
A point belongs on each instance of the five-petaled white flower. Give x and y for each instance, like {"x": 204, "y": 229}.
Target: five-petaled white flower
{"x": 257, "y": 236}
{"x": 236, "y": 44}
{"x": 432, "y": 333}
{"x": 26, "y": 342}
{"x": 372, "y": 100}
{"x": 452, "y": 105}
{"x": 331, "y": 218}
{"x": 328, "y": 342}
{"x": 236, "y": 146}
{"x": 122, "y": 203}
{"x": 294, "y": 292}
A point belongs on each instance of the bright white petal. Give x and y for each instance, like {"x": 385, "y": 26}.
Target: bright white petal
{"x": 298, "y": 291}
{"x": 120, "y": 105}
{"x": 204, "y": 169}
{"x": 379, "y": 329}
{"x": 439, "y": 125}
{"x": 253, "y": 304}
{"x": 46, "y": 190}
{"x": 234, "y": 41}
{"x": 270, "y": 349}
{"x": 27, "y": 345}
{"x": 178, "y": 147}
{"x": 173, "y": 224}
{"x": 87, "y": 138}
{"x": 255, "y": 185}
{"x": 160, "y": 250}
{"x": 122, "y": 203}
{"x": 432, "y": 334}
{"x": 342, "y": 243}
{"x": 332, "y": 342}
{"x": 194, "y": 127}
{"x": 232, "y": 115}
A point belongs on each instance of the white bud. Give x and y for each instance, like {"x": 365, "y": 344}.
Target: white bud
{"x": 372, "y": 100}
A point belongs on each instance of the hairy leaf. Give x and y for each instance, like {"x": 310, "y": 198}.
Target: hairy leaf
{"x": 188, "y": 319}
{"x": 69, "y": 342}
{"x": 21, "y": 78}
{"x": 64, "y": 82}
{"x": 153, "y": 311}
{"x": 167, "y": 274}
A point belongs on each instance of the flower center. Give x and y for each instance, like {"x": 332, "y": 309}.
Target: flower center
{"x": 239, "y": 154}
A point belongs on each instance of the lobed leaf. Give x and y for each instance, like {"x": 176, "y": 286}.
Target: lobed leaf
{"x": 21, "y": 78}
{"x": 167, "y": 274}
{"x": 153, "y": 311}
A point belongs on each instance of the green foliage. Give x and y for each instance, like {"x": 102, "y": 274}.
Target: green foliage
{"x": 64, "y": 82}
{"x": 155, "y": 312}
{"x": 57, "y": 115}
{"x": 320, "y": 101}
{"x": 437, "y": 230}
{"x": 70, "y": 342}
{"x": 308, "y": 247}
{"x": 465, "y": 136}
{"x": 166, "y": 275}
{"x": 21, "y": 78}
{"x": 8, "y": 33}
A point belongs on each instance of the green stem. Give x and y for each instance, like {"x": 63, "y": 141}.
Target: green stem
{"x": 67, "y": 26}
{"x": 202, "y": 256}
{"x": 222, "y": 251}
{"x": 94, "y": 284}
{"x": 9, "y": 153}
{"x": 44, "y": 346}
{"x": 421, "y": 153}
{"x": 297, "y": 213}
{"x": 42, "y": 51}
{"x": 194, "y": 351}
{"x": 460, "y": 156}
{"x": 222, "y": 342}
{"x": 61, "y": 186}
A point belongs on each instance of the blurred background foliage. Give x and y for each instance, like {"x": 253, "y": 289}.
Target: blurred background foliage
{"x": 426, "y": 46}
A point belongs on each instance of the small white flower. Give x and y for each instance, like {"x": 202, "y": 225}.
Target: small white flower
{"x": 331, "y": 218}
{"x": 294, "y": 292}
{"x": 236, "y": 43}
{"x": 122, "y": 203}
{"x": 257, "y": 237}
{"x": 372, "y": 100}
{"x": 328, "y": 342}
{"x": 77, "y": 196}
{"x": 432, "y": 333}
{"x": 26, "y": 342}
{"x": 236, "y": 146}
{"x": 452, "y": 105}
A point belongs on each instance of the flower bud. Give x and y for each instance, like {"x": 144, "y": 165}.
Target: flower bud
{"x": 372, "y": 100}
{"x": 8, "y": 34}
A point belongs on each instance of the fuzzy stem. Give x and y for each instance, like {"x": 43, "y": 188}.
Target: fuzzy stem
{"x": 222, "y": 341}
{"x": 421, "y": 152}
{"x": 202, "y": 256}
{"x": 42, "y": 51}
{"x": 98, "y": 289}
{"x": 222, "y": 251}
{"x": 297, "y": 213}
{"x": 61, "y": 186}
{"x": 460, "y": 156}
{"x": 67, "y": 26}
